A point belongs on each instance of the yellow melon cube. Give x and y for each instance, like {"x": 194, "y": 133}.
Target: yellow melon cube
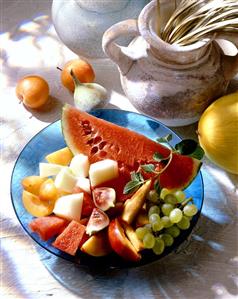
{"x": 61, "y": 157}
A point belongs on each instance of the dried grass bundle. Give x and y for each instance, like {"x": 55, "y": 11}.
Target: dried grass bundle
{"x": 194, "y": 20}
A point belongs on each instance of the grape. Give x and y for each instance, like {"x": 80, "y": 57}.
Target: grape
{"x": 154, "y": 218}
{"x": 153, "y": 196}
{"x": 157, "y": 226}
{"x": 166, "y": 221}
{"x": 164, "y": 192}
{"x": 168, "y": 239}
{"x": 184, "y": 223}
{"x": 170, "y": 198}
{"x": 141, "y": 231}
{"x": 180, "y": 196}
{"x": 175, "y": 215}
{"x": 148, "y": 240}
{"x": 190, "y": 210}
{"x": 167, "y": 208}
{"x": 158, "y": 246}
{"x": 154, "y": 210}
{"x": 174, "y": 231}
{"x": 148, "y": 227}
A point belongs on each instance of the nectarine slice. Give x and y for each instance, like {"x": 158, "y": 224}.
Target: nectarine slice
{"x": 119, "y": 242}
{"x": 135, "y": 203}
{"x": 97, "y": 245}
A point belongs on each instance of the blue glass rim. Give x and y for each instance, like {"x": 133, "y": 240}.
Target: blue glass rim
{"x": 109, "y": 261}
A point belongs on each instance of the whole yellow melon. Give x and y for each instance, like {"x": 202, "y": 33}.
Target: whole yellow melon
{"x": 218, "y": 132}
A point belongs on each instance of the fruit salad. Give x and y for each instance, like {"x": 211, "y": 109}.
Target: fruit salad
{"x": 76, "y": 205}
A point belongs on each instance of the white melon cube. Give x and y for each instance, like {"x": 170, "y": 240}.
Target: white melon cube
{"x": 65, "y": 180}
{"x": 80, "y": 165}
{"x": 49, "y": 169}
{"x": 84, "y": 184}
{"x": 103, "y": 171}
{"x": 69, "y": 206}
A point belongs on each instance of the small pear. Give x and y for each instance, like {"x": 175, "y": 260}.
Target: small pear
{"x": 88, "y": 96}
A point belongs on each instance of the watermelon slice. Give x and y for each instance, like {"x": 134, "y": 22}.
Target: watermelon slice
{"x": 100, "y": 139}
{"x": 48, "y": 226}
{"x": 70, "y": 239}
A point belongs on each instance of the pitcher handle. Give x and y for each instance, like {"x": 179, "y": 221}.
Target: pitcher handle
{"x": 231, "y": 67}
{"x": 117, "y": 53}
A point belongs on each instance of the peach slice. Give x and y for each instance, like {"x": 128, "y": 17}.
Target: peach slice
{"x": 97, "y": 245}
{"x": 142, "y": 218}
{"x": 120, "y": 243}
{"x": 133, "y": 205}
{"x": 131, "y": 235}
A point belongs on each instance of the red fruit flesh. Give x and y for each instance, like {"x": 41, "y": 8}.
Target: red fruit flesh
{"x": 69, "y": 240}
{"x": 88, "y": 204}
{"x": 119, "y": 242}
{"x": 100, "y": 139}
{"x": 48, "y": 226}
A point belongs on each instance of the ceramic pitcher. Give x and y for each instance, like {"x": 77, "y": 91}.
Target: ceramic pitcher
{"x": 172, "y": 83}
{"x": 80, "y": 24}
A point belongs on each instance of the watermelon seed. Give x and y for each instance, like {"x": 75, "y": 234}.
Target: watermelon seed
{"x": 87, "y": 131}
{"x": 97, "y": 139}
{"x": 85, "y": 123}
{"x": 90, "y": 141}
{"x": 94, "y": 150}
{"x": 102, "y": 144}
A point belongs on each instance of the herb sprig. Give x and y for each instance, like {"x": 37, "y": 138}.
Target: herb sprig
{"x": 185, "y": 147}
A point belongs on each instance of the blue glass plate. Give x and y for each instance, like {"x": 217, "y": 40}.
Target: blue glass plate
{"x": 50, "y": 139}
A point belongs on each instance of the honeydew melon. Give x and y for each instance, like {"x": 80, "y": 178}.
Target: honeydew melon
{"x": 83, "y": 184}
{"x": 49, "y": 169}
{"x": 80, "y": 165}
{"x": 65, "y": 180}
{"x": 69, "y": 206}
{"x": 103, "y": 171}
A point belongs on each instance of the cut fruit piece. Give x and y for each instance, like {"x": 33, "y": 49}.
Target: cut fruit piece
{"x": 69, "y": 240}
{"x": 48, "y": 169}
{"x": 62, "y": 157}
{"x": 48, "y": 226}
{"x": 80, "y": 165}
{"x": 131, "y": 235}
{"x": 97, "y": 245}
{"x": 65, "y": 180}
{"x": 104, "y": 198}
{"x": 69, "y": 206}
{"x": 88, "y": 204}
{"x": 119, "y": 242}
{"x": 123, "y": 145}
{"x": 142, "y": 218}
{"x": 133, "y": 205}
{"x": 48, "y": 191}
{"x": 35, "y": 206}
{"x": 83, "y": 184}
{"x": 97, "y": 221}
{"x": 103, "y": 171}
{"x": 32, "y": 184}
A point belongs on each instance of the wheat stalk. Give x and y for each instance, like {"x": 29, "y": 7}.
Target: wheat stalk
{"x": 194, "y": 20}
